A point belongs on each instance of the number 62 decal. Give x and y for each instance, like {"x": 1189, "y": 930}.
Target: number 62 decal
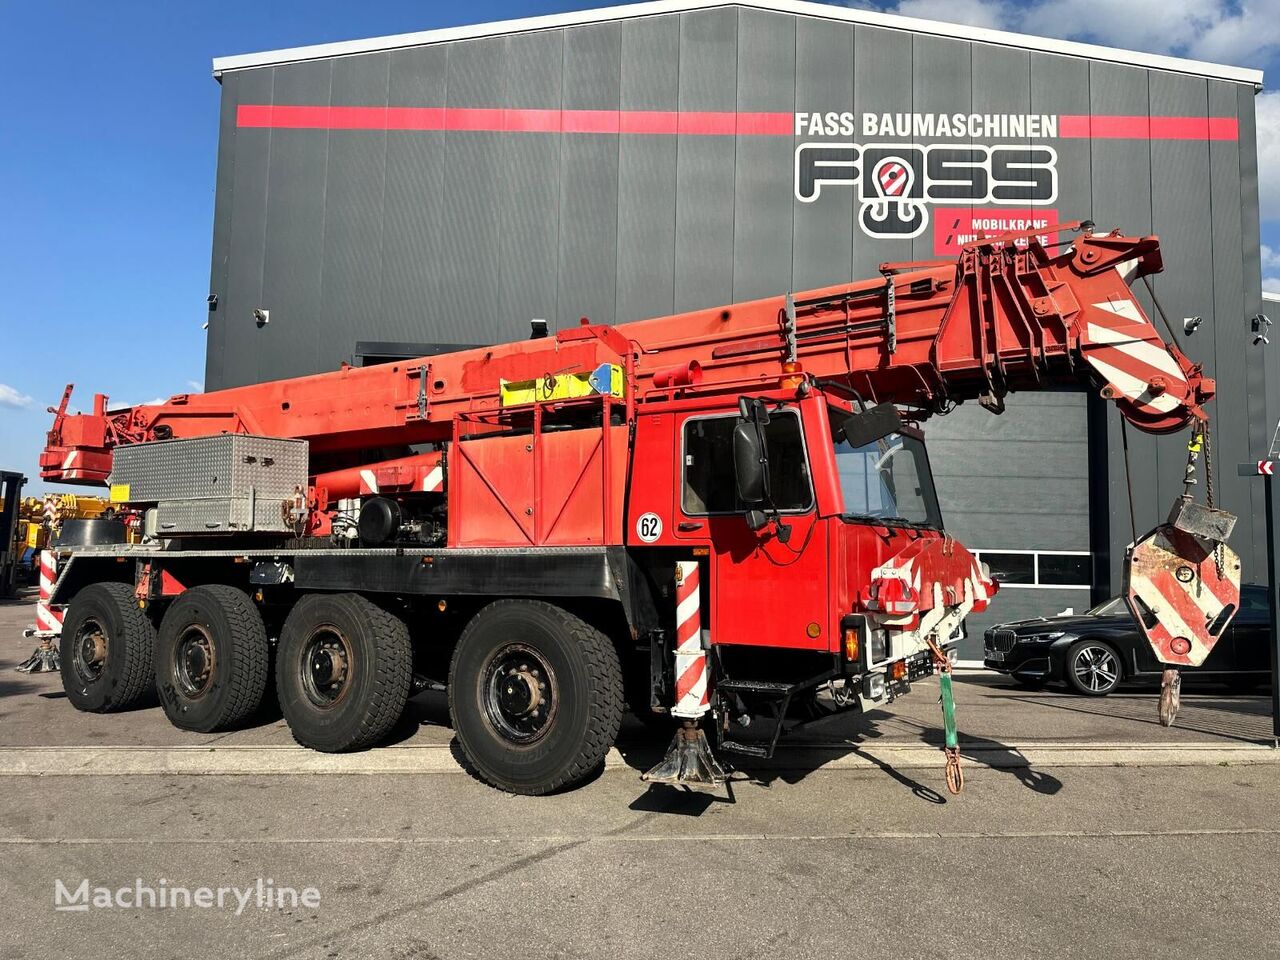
{"x": 649, "y": 527}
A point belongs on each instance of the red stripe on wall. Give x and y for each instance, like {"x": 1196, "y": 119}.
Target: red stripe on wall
{"x": 692, "y": 123}
{"x": 1148, "y": 128}
{"x": 501, "y": 120}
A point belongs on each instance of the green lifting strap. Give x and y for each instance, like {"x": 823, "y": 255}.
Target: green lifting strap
{"x": 948, "y": 710}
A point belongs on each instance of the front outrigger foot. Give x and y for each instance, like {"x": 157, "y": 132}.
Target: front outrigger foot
{"x": 44, "y": 659}
{"x": 689, "y": 761}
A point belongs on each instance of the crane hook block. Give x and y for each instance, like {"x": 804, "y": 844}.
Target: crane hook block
{"x": 1182, "y": 590}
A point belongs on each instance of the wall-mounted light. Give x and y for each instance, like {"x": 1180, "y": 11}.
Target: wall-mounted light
{"x": 1259, "y": 326}
{"x": 261, "y": 316}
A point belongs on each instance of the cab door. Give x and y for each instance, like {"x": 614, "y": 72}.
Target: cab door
{"x": 764, "y": 591}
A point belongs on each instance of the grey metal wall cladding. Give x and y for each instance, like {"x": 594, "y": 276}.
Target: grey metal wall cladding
{"x": 638, "y": 167}
{"x": 1015, "y": 481}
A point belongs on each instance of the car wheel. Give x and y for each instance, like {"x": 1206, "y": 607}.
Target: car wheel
{"x": 1093, "y": 668}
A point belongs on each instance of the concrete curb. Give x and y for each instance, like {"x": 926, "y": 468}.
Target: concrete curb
{"x": 297, "y": 761}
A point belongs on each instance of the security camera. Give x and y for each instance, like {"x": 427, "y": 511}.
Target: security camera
{"x": 1190, "y": 324}
{"x": 261, "y": 317}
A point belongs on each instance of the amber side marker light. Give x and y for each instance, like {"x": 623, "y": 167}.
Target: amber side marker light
{"x": 851, "y": 645}
{"x": 813, "y": 630}
{"x": 792, "y": 375}
{"x": 898, "y": 671}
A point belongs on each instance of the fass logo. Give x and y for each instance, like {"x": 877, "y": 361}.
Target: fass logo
{"x": 897, "y": 182}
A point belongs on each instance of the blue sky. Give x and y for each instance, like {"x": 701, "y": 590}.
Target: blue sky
{"x": 110, "y": 138}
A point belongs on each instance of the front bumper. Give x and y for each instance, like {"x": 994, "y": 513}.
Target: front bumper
{"x": 1031, "y": 667}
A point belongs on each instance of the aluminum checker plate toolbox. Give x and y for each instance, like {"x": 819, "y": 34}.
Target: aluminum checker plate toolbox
{"x": 221, "y": 484}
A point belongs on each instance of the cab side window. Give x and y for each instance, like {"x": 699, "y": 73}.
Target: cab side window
{"x": 709, "y": 485}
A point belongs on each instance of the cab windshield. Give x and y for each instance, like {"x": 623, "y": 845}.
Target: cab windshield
{"x": 888, "y": 479}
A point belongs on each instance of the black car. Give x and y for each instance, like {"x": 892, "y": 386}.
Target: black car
{"x": 1097, "y": 650}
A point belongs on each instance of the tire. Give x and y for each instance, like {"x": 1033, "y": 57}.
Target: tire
{"x": 531, "y": 741}
{"x": 106, "y": 649}
{"x": 343, "y": 670}
{"x": 1078, "y": 671}
{"x": 212, "y": 659}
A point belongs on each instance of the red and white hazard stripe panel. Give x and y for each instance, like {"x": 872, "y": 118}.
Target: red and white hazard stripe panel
{"x": 72, "y": 469}
{"x": 1125, "y": 350}
{"x": 428, "y": 478}
{"x": 1181, "y": 581}
{"x": 692, "y": 695}
{"x": 48, "y": 617}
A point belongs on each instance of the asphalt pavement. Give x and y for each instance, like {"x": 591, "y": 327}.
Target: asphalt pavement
{"x": 1085, "y": 830}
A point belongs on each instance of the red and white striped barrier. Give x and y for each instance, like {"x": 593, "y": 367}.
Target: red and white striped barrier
{"x": 692, "y": 696}
{"x": 48, "y": 617}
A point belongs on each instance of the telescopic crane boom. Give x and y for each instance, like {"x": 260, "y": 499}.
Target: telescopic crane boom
{"x": 1011, "y": 314}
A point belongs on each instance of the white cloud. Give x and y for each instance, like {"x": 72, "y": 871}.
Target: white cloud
{"x": 1267, "y": 106}
{"x": 1271, "y": 284}
{"x": 973, "y": 13}
{"x": 10, "y": 397}
{"x": 1217, "y": 30}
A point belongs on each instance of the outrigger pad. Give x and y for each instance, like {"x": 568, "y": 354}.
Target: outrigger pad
{"x": 43, "y": 660}
{"x": 689, "y": 761}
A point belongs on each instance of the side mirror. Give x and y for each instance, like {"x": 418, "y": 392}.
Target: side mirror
{"x": 870, "y": 425}
{"x": 749, "y": 462}
{"x": 757, "y": 519}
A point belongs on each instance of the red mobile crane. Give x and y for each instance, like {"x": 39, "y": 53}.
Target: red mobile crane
{"x": 712, "y": 513}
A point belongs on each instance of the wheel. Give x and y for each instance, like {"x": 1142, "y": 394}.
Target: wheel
{"x": 212, "y": 658}
{"x": 106, "y": 649}
{"x": 536, "y": 696}
{"x": 1092, "y": 668}
{"x": 343, "y": 669}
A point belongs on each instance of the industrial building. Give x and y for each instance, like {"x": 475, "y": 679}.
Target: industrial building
{"x": 383, "y": 198}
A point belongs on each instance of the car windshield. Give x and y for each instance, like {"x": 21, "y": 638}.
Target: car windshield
{"x": 1109, "y": 608}
{"x": 887, "y": 479}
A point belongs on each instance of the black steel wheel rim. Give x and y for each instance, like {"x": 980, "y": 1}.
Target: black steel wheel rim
{"x": 326, "y": 666}
{"x": 1096, "y": 667}
{"x": 520, "y": 694}
{"x": 91, "y": 648}
{"x": 194, "y": 659}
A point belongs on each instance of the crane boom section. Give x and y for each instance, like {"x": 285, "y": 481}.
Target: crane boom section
{"x": 1010, "y": 314}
